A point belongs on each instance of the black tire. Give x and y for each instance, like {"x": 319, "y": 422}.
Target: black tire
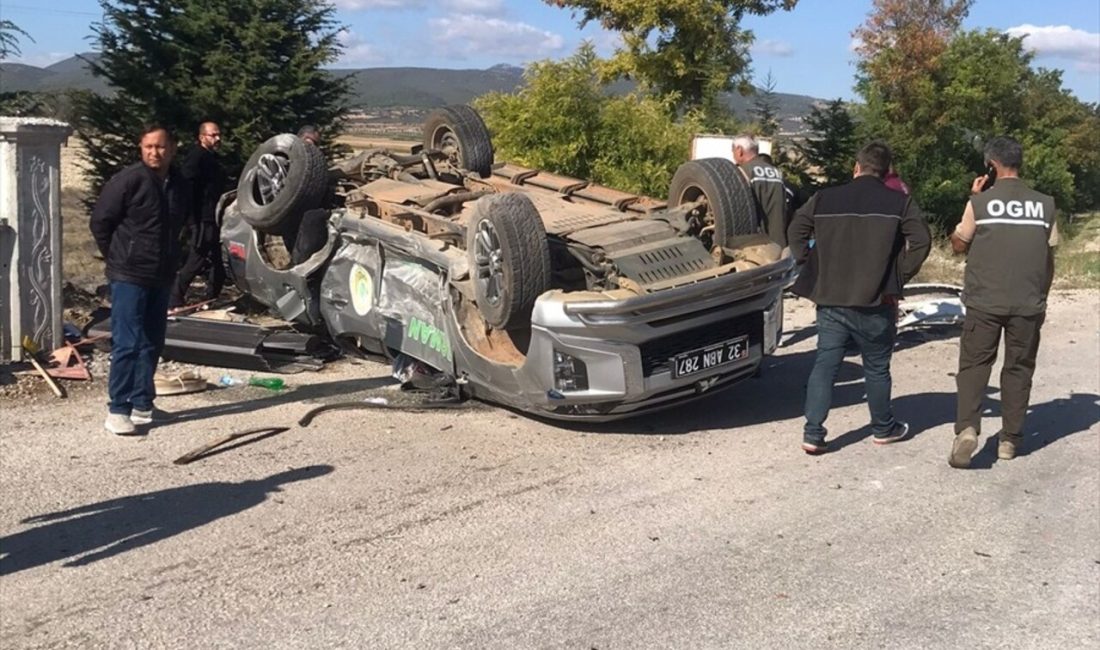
{"x": 524, "y": 259}
{"x": 728, "y": 195}
{"x": 459, "y": 131}
{"x": 304, "y": 183}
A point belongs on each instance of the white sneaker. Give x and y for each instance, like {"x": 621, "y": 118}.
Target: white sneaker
{"x": 152, "y": 416}
{"x": 119, "y": 424}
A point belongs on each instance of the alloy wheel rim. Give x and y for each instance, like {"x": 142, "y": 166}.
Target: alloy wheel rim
{"x": 271, "y": 175}
{"x": 489, "y": 260}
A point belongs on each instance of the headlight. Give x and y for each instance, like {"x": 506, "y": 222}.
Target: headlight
{"x": 570, "y": 373}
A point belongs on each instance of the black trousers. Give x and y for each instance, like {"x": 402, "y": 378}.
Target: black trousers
{"x": 204, "y": 258}
{"x": 981, "y": 337}
{"x": 310, "y": 236}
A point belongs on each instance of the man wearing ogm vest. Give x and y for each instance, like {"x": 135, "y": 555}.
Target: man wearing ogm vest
{"x": 1008, "y": 232}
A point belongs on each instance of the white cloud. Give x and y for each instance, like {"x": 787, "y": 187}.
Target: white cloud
{"x": 485, "y": 7}
{"x": 463, "y": 35}
{"x": 357, "y": 52}
{"x": 773, "y": 48}
{"x": 1062, "y": 42}
{"x": 855, "y": 44}
{"x": 356, "y": 5}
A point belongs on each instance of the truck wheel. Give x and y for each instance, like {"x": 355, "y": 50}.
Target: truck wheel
{"x": 509, "y": 258}
{"x": 460, "y": 132}
{"x": 729, "y": 202}
{"x": 284, "y": 177}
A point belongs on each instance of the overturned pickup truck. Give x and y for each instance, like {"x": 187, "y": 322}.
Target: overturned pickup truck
{"x": 548, "y": 294}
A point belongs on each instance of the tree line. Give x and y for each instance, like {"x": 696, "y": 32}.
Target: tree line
{"x": 930, "y": 89}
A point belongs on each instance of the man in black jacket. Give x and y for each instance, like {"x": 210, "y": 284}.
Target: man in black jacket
{"x": 136, "y": 224}
{"x": 207, "y": 178}
{"x": 864, "y": 241}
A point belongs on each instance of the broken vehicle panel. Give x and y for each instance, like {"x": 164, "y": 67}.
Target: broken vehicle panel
{"x": 550, "y": 294}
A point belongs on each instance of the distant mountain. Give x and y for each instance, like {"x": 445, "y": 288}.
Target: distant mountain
{"x": 376, "y": 87}
{"x": 71, "y": 74}
{"x": 427, "y": 87}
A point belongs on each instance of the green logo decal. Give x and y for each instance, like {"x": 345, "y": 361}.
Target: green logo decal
{"x": 428, "y": 335}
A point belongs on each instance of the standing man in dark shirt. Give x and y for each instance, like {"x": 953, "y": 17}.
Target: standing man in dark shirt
{"x": 1009, "y": 231}
{"x": 869, "y": 241}
{"x": 136, "y": 224}
{"x": 767, "y": 187}
{"x": 207, "y": 178}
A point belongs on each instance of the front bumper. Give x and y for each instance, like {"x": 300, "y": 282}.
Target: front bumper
{"x": 626, "y": 345}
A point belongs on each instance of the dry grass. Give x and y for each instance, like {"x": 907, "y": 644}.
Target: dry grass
{"x": 942, "y": 266}
{"x": 78, "y": 264}
{"x": 1077, "y": 265}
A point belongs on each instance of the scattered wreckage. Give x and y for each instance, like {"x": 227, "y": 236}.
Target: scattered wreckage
{"x": 549, "y": 294}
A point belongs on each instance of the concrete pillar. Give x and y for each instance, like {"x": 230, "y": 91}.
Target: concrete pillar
{"x": 30, "y": 233}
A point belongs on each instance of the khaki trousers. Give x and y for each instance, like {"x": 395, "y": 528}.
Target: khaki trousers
{"x": 981, "y": 337}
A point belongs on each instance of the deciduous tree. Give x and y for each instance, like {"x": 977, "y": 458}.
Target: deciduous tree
{"x": 899, "y": 46}
{"x": 980, "y": 85}
{"x": 693, "y": 48}
{"x": 563, "y": 119}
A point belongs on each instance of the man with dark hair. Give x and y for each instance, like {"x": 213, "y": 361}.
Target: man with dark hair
{"x": 207, "y": 178}
{"x": 1010, "y": 231}
{"x": 136, "y": 224}
{"x": 868, "y": 242}
{"x": 310, "y": 133}
{"x": 766, "y": 182}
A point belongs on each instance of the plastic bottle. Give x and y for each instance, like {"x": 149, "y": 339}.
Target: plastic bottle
{"x": 272, "y": 383}
{"x": 228, "y": 380}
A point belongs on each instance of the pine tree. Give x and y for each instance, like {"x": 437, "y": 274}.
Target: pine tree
{"x": 19, "y": 102}
{"x": 830, "y": 151}
{"x": 9, "y": 39}
{"x": 253, "y": 66}
{"x": 765, "y": 108}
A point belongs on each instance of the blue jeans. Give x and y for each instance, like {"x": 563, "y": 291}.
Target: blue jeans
{"x": 873, "y": 329}
{"x": 138, "y": 322}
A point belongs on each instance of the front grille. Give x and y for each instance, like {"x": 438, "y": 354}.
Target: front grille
{"x": 657, "y": 352}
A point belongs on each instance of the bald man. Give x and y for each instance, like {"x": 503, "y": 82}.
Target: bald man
{"x": 203, "y": 170}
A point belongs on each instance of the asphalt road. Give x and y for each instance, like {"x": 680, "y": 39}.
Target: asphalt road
{"x": 705, "y": 527}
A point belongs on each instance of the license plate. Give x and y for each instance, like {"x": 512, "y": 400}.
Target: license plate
{"x": 712, "y": 356}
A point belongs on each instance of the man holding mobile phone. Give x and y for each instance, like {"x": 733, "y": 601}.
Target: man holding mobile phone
{"x": 1008, "y": 231}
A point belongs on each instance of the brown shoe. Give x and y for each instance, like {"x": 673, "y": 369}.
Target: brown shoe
{"x": 1006, "y": 445}
{"x": 966, "y": 441}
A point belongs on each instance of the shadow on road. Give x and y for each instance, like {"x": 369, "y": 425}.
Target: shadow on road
{"x": 101, "y": 530}
{"x": 778, "y": 394}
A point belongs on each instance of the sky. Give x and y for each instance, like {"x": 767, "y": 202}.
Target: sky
{"x": 807, "y": 51}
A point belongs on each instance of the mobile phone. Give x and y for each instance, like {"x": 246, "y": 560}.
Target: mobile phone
{"x": 990, "y": 177}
